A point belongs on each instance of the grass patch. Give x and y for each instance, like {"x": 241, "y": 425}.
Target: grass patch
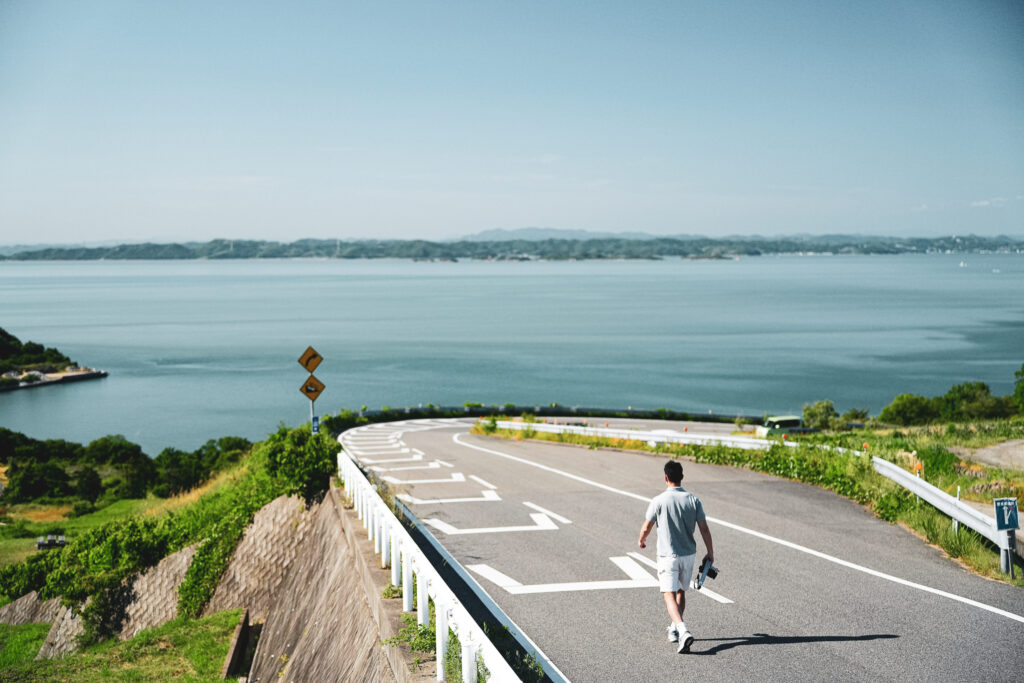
{"x": 183, "y": 649}
{"x": 852, "y": 475}
{"x": 20, "y": 644}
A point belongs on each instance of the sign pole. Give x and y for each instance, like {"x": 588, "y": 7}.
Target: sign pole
{"x": 313, "y": 387}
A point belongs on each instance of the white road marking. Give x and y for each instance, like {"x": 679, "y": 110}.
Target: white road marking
{"x": 482, "y": 482}
{"x": 486, "y": 497}
{"x": 381, "y": 461}
{"x": 429, "y": 466}
{"x": 639, "y": 578}
{"x": 541, "y": 523}
{"x": 446, "y": 464}
{"x": 455, "y": 478}
{"x": 549, "y": 513}
{"x": 703, "y": 591}
{"x": 758, "y": 534}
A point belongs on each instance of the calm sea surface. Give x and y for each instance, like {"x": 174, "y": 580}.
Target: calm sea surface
{"x": 201, "y": 349}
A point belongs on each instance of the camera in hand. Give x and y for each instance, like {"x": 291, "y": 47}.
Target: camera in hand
{"x": 707, "y": 571}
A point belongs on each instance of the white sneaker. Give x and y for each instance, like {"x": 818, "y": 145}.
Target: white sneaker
{"x": 673, "y": 634}
{"x": 685, "y": 641}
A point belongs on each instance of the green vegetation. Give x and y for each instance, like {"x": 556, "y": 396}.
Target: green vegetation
{"x": 95, "y": 561}
{"x": 15, "y": 356}
{"x": 110, "y": 468}
{"x": 183, "y": 649}
{"x": 844, "y": 468}
{"x": 19, "y": 644}
{"x": 520, "y": 249}
{"x": 962, "y": 403}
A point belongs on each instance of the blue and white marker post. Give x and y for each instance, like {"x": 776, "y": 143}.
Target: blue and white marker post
{"x": 1007, "y": 520}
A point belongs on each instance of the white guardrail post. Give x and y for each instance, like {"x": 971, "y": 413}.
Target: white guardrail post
{"x": 397, "y": 549}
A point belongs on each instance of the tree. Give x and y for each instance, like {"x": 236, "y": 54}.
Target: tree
{"x": 36, "y": 480}
{"x": 303, "y": 460}
{"x": 88, "y": 485}
{"x": 820, "y": 415}
{"x": 113, "y": 450}
{"x": 972, "y": 401}
{"x": 910, "y": 409}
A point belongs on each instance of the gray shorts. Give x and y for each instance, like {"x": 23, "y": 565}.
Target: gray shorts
{"x": 674, "y": 572}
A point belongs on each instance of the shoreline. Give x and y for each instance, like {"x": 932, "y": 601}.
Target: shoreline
{"x": 59, "y": 378}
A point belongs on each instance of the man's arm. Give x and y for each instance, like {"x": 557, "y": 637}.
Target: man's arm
{"x": 645, "y": 531}
{"x": 705, "y": 533}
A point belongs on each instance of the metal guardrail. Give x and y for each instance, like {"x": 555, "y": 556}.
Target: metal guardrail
{"x": 399, "y": 551}
{"x": 943, "y": 502}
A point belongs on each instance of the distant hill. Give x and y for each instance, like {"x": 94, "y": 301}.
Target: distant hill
{"x": 540, "y": 234}
{"x": 533, "y": 244}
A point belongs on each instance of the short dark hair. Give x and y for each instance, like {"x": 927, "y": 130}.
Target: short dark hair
{"x": 674, "y": 471}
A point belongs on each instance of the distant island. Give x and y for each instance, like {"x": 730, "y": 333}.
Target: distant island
{"x": 531, "y": 244}
{"x": 28, "y": 365}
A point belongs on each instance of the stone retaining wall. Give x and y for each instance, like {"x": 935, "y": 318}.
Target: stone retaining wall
{"x": 262, "y": 559}
{"x": 29, "y": 609}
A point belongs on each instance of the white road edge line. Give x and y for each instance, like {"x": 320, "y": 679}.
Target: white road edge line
{"x": 703, "y": 591}
{"x": 549, "y": 513}
{"x": 766, "y": 537}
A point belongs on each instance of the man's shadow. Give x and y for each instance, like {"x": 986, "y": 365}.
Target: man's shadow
{"x": 765, "y": 639}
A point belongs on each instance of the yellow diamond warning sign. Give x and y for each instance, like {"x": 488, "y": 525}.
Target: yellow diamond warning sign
{"x": 310, "y": 359}
{"x": 312, "y": 388}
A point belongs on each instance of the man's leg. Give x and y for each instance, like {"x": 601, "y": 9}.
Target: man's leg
{"x": 681, "y": 603}
{"x": 672, "y": 605}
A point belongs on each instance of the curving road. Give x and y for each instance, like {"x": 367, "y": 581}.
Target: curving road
{"x": 811, "y": 588}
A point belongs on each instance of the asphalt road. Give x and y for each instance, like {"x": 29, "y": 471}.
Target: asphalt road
{"x": 811, "y": 588}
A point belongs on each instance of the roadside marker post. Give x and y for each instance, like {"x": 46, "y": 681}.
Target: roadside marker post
{"x": 1008, "y": 521}
{"x": 312, "y": 388}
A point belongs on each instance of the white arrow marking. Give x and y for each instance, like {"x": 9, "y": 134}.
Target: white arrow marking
{"x": 486, "y": 497}
{"x": 482, "y": 482}
{"x": 638, "y": 578}
{"x": 381, "y": 461}
{"x": 456, "y": 477}
{"x": 703, "y": 591}
{"x": 549, "y": 513}
{"x": 541, "y": 523}
{"x": 429, "y": 466}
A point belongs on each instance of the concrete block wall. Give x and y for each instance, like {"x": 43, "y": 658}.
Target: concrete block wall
{"x": 156, "y": 593}
{"x": 262, "y": 559}
{"x": 320, "y": 628}
{"x": 29, "y": 609}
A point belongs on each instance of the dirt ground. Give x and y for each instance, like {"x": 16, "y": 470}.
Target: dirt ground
{"x": 1009, "y": 454}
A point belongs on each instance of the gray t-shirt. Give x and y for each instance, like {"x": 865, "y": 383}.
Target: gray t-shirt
{"x": 676, "y": 511}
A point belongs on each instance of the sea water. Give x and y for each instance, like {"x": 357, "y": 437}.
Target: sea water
{"x": 202, "y": 349}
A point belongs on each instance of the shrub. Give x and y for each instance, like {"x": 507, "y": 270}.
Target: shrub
{"x": 820, "y": 415}
{"x": 910, "y": 409}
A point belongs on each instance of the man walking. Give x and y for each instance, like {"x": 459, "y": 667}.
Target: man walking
{"x": 676, "y": 511}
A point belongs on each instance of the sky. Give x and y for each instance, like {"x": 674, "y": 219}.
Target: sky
{"x": 189, "y": 121}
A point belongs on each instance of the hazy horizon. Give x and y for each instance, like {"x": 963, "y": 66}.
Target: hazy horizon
{"x": 125, "y": 122}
